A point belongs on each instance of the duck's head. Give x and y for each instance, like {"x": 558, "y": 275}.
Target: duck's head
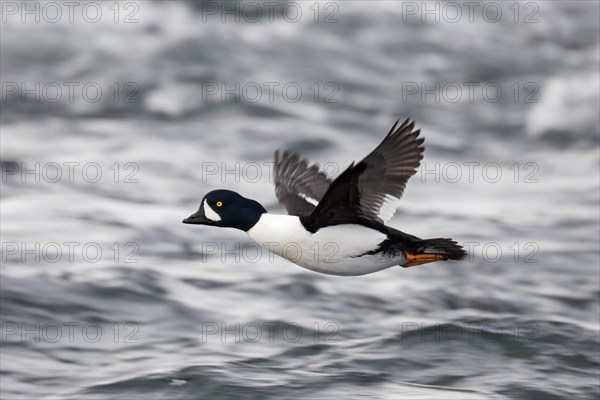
{"x": 227, "y": 209}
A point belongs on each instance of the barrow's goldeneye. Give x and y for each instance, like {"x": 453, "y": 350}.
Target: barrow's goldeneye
{"x": 336, "y": 227}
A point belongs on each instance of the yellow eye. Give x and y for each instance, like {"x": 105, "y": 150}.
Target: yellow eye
{"x": 219, "y": 204}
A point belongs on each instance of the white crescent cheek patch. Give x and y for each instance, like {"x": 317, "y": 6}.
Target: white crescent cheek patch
{"x": 210, "y": 213}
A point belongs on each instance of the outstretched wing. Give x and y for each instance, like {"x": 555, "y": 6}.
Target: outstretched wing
{"x": 298, "y": 187}
{"x": 372, "y": 188}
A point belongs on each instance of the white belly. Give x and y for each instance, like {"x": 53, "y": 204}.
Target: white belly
{"x": 332, "y": 250}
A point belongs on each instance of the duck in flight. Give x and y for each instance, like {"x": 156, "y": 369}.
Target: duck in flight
{"x": 336, "y": 227}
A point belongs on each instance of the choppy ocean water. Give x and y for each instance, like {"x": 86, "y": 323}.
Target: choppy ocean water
{"x": 114, "y": 125}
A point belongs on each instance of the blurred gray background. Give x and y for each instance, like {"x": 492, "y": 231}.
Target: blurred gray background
{"x": 117, "y": 118}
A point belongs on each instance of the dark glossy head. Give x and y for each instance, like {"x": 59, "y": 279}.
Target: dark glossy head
{"x": 227, "y": 209}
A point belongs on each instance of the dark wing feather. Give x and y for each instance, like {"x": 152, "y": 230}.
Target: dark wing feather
{"x": 371, "y": 189}
{"x": 298, "y": 186}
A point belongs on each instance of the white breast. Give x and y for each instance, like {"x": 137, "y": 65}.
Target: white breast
{"x": 331, "y": 250}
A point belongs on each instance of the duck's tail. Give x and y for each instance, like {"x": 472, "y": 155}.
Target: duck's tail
{"x": 430, "y": 250}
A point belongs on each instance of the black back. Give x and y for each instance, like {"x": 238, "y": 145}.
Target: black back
{"x": 365, "y": 192}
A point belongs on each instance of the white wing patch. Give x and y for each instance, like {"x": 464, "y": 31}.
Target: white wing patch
{"x": 312, "y": 201}
{"x": 210, "y": 213}
{"x": 388, "y": 208}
